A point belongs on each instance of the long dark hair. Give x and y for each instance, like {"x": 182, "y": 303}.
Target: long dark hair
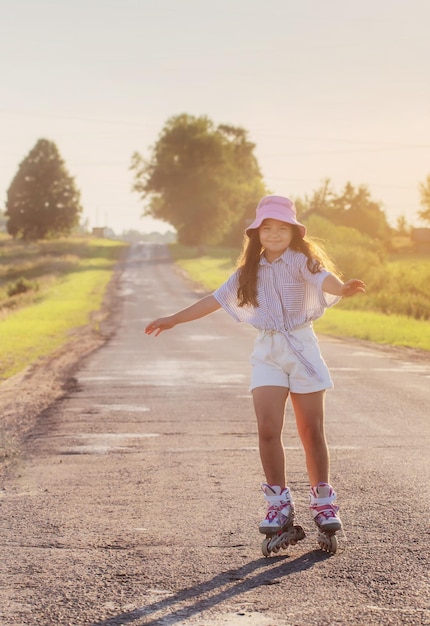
{"x": 249, "y": 261}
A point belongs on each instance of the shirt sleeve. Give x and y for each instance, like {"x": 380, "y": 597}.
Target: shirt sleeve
{"x": 314, "y": 282}
{"x": 226, "y": 295}
{"x": 326, "y": 300}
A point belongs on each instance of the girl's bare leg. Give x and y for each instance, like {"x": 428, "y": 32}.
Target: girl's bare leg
{"x": 309, "y": 411}
{"x": 269, "y": 404}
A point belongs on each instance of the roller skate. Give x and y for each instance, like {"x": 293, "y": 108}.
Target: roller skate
{"x": 321, "y": 500}
{"x": 278, "y": 525}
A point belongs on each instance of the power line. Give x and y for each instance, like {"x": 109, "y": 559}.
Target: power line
{"x": 261, "y": 132}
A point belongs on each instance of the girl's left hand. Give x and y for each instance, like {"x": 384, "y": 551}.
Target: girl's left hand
{"x": 353, "y": 286}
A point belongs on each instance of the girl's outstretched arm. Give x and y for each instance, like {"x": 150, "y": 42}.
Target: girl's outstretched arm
{"x": 195, "y": 311}
{"x": 336, "y": 287}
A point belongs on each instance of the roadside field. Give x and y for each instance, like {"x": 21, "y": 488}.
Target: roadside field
{"x": 47, "y": 290}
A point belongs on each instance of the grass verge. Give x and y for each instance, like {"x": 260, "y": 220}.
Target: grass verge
{"x": 394, "y": 330}
{"x": 71, "y": 277}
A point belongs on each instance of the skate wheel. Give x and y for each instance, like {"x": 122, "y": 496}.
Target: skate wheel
{"x": 328, "y": 543}
{"x": 265, "y": 546}
{"x": 323, "y": 545}
{"x": 300, "y": 533}
{"x": 333, "y": 544}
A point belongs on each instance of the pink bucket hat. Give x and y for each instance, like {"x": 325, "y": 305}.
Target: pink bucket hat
{"x": 278, "y": 208}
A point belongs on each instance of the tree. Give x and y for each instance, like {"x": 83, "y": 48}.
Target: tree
{"x": 320, "y": 202}
{"x": 3, "y": 221}
{"x": 200, "y": 178}
{"x": 353, "y": 208}
{"x": 42, "y": 200}
{"x": 425, "y": 199}
{"x": 356, "y": 209}
{"x": 402, "y": 226}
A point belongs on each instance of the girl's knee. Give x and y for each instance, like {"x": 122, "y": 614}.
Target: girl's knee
{"x": 268, "y": 430}
{"x": 313, "y": 436}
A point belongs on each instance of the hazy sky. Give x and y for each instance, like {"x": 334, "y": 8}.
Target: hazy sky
{"x": 332, "y": 89}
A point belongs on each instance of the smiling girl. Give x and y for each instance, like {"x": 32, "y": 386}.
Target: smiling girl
{"x": 283, "y": 283}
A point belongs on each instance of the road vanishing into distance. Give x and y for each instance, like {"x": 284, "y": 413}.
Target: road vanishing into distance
{"x": 137, "y": 500}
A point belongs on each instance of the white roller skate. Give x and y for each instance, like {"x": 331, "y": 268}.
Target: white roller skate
{"x": 321, "y": 499}
{"x": 278, "y": 525}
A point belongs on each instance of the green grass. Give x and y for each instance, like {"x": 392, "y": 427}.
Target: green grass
{"x": 394, "y": 330}
{"x": 389, "y": 328}
{"x": 72, "y": 276}
{"x": 208, "y": 269}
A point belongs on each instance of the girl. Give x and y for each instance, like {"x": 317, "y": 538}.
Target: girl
{"x": 283, "y": 283}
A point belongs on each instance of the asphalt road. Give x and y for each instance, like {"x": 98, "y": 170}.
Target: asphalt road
{"x": 137, "y": 501}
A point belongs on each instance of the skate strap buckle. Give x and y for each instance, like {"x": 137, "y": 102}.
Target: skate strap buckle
{"x": 322, "y": 501}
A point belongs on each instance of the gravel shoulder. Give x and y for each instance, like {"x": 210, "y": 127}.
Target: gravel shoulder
{"x": 25, "y": 396}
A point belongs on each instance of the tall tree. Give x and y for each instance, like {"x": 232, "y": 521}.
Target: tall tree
{"x": 354, "y": 208}
{"x": 425, "y": 200}
{"x": 3, "y": 222}
{"x": 199, "y": 178}
{"x": 42, "y": 200}
{"x": 319, "y": 202}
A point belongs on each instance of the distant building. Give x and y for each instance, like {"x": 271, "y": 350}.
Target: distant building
{"x": 421, "y": 238}
{"x": 103, "y": 232}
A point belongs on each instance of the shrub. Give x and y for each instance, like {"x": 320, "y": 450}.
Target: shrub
{"x": 355, "y": 254}
{"x": 22, "y": 285}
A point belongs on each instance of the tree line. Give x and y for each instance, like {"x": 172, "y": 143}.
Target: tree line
{"x": 203, "y": 179}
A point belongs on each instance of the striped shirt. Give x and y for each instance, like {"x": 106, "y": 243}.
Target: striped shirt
{"x": 289, "y": 296}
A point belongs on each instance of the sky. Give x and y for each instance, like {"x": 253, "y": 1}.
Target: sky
{"x": 332, "y": 89}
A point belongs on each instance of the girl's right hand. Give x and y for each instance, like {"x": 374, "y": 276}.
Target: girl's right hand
{"x": 160, "y": 324}
{"x": 353, "y": 286}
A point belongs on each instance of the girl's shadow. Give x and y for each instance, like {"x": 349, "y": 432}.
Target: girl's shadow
{"x": 227, "y": 585}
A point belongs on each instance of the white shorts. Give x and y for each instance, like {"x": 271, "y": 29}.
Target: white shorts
{"x": 274, "y": 362}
